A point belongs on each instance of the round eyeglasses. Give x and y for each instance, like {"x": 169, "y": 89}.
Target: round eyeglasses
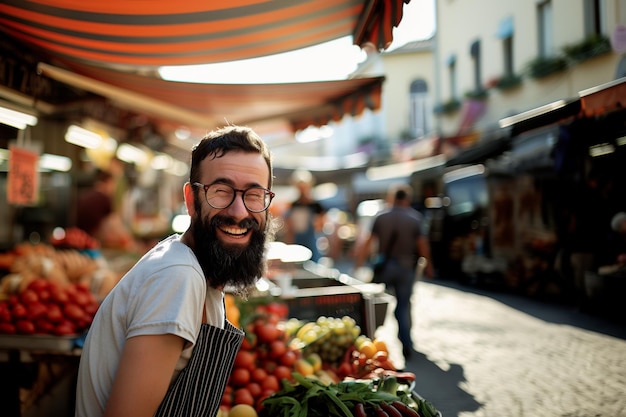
{"x": 220, "y": 196}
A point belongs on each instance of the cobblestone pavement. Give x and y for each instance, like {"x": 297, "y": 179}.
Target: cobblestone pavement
{"x": 506, "y": 356}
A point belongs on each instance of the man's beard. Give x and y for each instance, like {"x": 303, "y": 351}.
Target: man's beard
{"x": 234, "y": 265}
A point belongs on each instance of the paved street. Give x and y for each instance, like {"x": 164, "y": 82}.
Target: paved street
{"x": 484, "y": 354}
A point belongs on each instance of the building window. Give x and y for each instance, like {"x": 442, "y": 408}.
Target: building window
{"x": 419, "y": 121}
{"x": 453, "y": 77}
{"x": 595, "y": 12}
{"x": 505, "y": 34}
{"x": 544, "y": 25}
{"x": 475, "y": 54}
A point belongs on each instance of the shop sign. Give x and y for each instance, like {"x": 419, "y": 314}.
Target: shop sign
{"x": 23, "y": 180}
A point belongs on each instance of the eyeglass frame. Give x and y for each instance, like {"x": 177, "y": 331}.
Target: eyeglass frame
{"x": 235, "y": 191}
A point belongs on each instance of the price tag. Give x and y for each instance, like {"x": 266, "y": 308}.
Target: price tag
{"x": 23, "y": 181}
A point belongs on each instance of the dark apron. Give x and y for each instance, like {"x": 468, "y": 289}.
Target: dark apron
{"x": 198, "y": 390}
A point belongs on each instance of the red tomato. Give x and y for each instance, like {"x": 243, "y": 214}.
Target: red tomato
{"x": 278, "y": 348}
{"x": 244, "y": 359}
{"x": 289, "y": 358}
{"x": 36, "y": 310}
{"x": 44, "y": 326}
{"x": 240, "y": 377}
{"x": 255, "y": 389}
{"x": 25, "y": 327}
{"x": 38, "y": 285}
{"x": 65, "y": 328}
{"x": 73, "y": 312}
{"x": 258, "y": 375}
{"x": 58, "y": 295}
{"x": 54, "y": 313}
{"x": 282, "y": 372}
{"x": 7, "y": 328}
{"x": 18, "y": 311}
{"x": 266, "y": 332}
{"x": 29, "y": 296}
{"x": 5, "y": 312}
{"x": 243, "y": 396}
{"x": 249, "y": 342}
{"x": 270, "y": 383}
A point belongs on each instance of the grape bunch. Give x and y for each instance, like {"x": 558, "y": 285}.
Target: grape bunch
{"x": 329, "y": 337}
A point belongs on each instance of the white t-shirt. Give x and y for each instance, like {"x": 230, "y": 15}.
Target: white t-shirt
{"x": 164, "y": 293}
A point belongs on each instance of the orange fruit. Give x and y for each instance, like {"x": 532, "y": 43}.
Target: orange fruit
{"x": 368, "y": 349}
{"x": 381, "y": 346}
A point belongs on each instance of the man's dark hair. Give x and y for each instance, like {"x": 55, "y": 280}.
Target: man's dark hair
{"x": 229, "y": 138}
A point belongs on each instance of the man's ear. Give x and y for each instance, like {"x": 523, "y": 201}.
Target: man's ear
{"x": 188, "y": 192}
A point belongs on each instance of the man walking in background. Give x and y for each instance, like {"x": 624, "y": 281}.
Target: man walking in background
{"x": 397, "y": 231}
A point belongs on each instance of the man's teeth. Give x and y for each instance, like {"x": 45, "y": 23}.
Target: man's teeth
{"x": 234, "y": 230}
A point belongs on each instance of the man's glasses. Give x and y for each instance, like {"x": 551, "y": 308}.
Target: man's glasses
{"x": 220, "y": 196}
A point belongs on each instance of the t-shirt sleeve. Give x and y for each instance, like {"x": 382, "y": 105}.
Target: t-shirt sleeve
{"x": 170, "y": 301}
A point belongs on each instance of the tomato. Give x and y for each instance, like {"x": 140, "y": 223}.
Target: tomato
{"x": 54, "y": 313}
{"x": 73, "y": 312}
{"x": 289, "y": 358}
{"x": 36, "y": 310}
{"x": 44, "y": 326}
{"x": 58, "y": 295}
{"x": 282, "y": 372}
{"x": 255, "y": 389}
{"x": 7, "y": 328}
{"x": 18, "y": 311}
{"x": 65, "y": 328}
{"x": 279, "y": 309}
{"x": 278, "y": 348}
{"x": 29, "y": 296}
{"x": 270, "y": 383}
{"x": 258, "y": 375}
{"x": 5, "y": 312}
{"x": 38, "y": 285}
{"x": 266, "y": 332}
{"x": 249, "y": 342}
{"x": 243, "y": 396}
{"x": 25, "y": 327}
{"x": 244, "y": 359}
{"x": 240, "y": 377}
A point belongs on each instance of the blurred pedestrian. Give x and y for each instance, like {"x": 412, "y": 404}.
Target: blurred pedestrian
{"x": 96, "y": 213}
{"x": 304, "y": 219}
{"x": 398, "y": 236}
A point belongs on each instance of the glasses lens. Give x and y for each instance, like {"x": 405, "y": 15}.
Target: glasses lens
{"x": 256, "y": 199}
{"x": 220, "y": 195}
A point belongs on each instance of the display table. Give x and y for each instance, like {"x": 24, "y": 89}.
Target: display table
{"x": 38, "y": 375}
{"x": 312, "y": 291}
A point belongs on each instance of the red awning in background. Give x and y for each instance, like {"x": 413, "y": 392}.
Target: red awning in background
{"x": 130, "y": 34}
{"x": 208, "y": 105}
{"x": 604, "y": 98}
{"x": 112, "y": 48}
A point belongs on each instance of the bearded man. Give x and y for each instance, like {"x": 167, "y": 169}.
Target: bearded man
{"x": 160, "y": 344}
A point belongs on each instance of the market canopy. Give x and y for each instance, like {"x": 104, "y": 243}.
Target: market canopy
{"x": 130, "y": 35}
{"x": 113, "y": 49}
{"x": 207, "y": 105}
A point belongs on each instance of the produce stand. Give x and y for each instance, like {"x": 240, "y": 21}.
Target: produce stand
{"x": 316, "y": 291}
{"x": 38, "y": 373}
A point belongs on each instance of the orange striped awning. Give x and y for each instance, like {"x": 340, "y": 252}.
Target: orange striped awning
{"x": 171, "y": 104}
{"x": 138, "y": 34}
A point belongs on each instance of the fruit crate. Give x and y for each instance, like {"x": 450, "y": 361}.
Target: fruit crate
{"x": 368, "y": 311}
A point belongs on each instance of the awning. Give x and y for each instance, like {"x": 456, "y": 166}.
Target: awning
{"x": 604, "y": 98}
{"x": 129, "y": 35}
{"x": 205, "y": 106}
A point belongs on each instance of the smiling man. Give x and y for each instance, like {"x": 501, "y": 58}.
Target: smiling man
{"x": 160, "y": 344}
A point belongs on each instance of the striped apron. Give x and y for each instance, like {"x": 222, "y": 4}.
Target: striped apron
{"x": 198, "y": 390}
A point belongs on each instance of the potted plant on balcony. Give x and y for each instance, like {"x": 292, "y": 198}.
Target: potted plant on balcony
{"x": 589, "y": 47}
{"x": 543, "y": 66}
{"x": 449, "y": 106}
